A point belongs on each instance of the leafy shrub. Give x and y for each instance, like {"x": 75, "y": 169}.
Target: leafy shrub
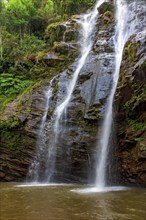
{"x": 10, "y": 84}
{"x": 32, "y": 44}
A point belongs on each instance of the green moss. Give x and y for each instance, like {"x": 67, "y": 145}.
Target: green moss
{"x": 10, "y": 139}
{"x": 93, "y": 111}
{"x": 138, "y": 96}
{"x": 12, "y": 122}
{"x": 140, "y": 141}
{"x": 142, "y": 68}
{"x": 106, "y": 6}
{"x": 129, "y": 59}
{"x": 136, "y": 125}
{"x": 54, "y": 32}
{"x": 5, "y": 100}
{"x": 130, "y": 52}
{"x": 10, "y": 87}
{"x": 108, "y": 17}
{"x": 71, "y": 35}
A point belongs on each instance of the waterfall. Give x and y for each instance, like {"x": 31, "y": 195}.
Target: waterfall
{"x": 35, "y": 167}
{"x": 120, "y": 39}
{"x": 87, "y": 23}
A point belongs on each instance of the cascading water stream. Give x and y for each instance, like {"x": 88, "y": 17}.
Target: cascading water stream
{"x": 34, "y": 170}
{"x": 87, "y": 22}
{"x": 120, "y": 40}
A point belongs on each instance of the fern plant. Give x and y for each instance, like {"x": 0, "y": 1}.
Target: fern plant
{"x": 11, "y": 84}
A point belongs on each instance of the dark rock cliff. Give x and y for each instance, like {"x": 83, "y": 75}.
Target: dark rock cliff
{"x": 76, "y": 150}
{"x": 131, "y": 96}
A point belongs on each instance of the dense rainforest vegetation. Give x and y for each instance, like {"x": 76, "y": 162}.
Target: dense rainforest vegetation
{"x": 25, "y": 39}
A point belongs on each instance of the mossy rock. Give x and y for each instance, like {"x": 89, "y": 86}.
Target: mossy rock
{"x": 93, "y": 112}
{"x": 140, "y": 73}
{"x": 54, "y": 32}
{"x": 130, "y": 52}
{"x": 10, "y": 139}
{"x": 10, "y": 115}
{"x": 71, "y": 35}
{"x": 106, "y": 6}
{"x": 138, "y": 97}
{"x": 129, "y": 60}
{"x": 108, "y": 17}
{"x": 68, "y": 50}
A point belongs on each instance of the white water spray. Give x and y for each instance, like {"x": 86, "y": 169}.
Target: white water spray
{"x": 87, "y": 22}
{"x": 120, "y": 40}
{"x": 34, "y": 171}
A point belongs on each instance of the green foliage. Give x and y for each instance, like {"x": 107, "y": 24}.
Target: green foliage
{"x": 139, "y": 95}
{"x": 47, "y": 10}
{"x": 20, "y": 58}
{"x": 71, "y": 7}
{"x": 9, "y": 44}
{"x": 54, "y": 32}
{"x": 136, "y": 125}
{"x": 11, "y": 123}
{"x": 27, "y": 16}
{"x": 22, "y": 45}
{"x": 32, "y": 44}
{"x": 106, "y": 7}
{"x": 141, "y": 143}
{"x": 16, "y": 15}
{"x": 130, "y": 52}
{"x": 129, "y": 57}
{"x": 13, "y": 49}
{"x": 10, "y": 85}
{"x": 10, "y": 139}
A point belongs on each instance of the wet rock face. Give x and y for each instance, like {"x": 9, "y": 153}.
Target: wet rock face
{"x": 76, "y": 145}
{"x": 131, "y": 117}
{"x": 19, "y": 131}
{"x": 76, "y": 150}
